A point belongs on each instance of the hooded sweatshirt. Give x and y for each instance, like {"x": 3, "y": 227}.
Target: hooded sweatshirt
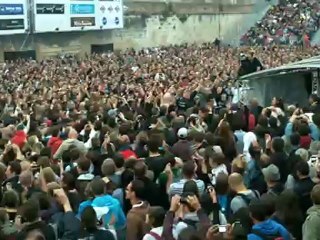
{"x": 114, "y": 207}
{"x": 269, "y": 228}
{"x": 54, "y": 144}
{"x": 310, "y": 229}
{"x": 9, "y": 229}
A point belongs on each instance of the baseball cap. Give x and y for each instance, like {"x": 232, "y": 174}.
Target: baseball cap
{"x": 271, "y": 173}
{"x": 183, "y": 133}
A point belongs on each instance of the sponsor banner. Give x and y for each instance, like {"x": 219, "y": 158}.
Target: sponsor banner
{"x": 110, "y": 14}
{"x": 11, "y": 24}
{"x": 50, "y": 8}
{"x": 83, "y": 21}
{"x": 82, "y": 8}
{"x": 111, "y": 21}
{"x": 11, "y": 9}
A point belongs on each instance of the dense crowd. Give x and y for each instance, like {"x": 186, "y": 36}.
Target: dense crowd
{"x": 290, "y": 22}
{"x": 147, "y": 145}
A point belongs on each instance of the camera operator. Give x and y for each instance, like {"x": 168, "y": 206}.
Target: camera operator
{"x": 249, "y": 64}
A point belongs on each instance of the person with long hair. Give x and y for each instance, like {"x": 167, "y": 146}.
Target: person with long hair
{"x": 90, "y": 228}
{"x": 227, "y": 140}
{"x": 278, "y": 103}
{"x": 288, "y": 213}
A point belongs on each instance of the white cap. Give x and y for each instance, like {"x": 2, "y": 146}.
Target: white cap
{"x": 183, "y": 133}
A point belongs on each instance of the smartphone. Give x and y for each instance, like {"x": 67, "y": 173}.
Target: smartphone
{"x": 222, "y": 228}
{"x": 183, "y": 200}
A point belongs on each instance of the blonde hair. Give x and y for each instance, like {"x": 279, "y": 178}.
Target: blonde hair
{"x": 239, "y": 163}
{"x": 25, "y": 165}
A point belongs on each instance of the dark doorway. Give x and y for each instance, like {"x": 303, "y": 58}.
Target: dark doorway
{"x": 12, "y": 56}
{"x": 308, "y": 82}
{"x": 102, "y": 48}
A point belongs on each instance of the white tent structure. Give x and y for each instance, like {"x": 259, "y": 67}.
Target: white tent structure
{"x": 293, "y": 82}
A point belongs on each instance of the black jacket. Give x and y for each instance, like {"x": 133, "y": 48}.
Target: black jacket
{"x": 276, "y": 189}
{"x": 152, "y": 192}
{"x": 303, "y": 188}
{"x": 45, "y": 229}
{"x": 14, "y": 181}
{"x": 68, "y": 226}
{"x": 97, "y": 234}
{"x": 280, "y": 159}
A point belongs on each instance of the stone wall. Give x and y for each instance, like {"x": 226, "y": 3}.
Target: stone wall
{"x": 191, "y": 23}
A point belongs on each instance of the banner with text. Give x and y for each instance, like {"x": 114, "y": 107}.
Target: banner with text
{"x": 13, "y": 17}
{"x": 77, "y": 15}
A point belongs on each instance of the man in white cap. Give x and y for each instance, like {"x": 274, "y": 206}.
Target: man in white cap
{"x": 183, "y": 148}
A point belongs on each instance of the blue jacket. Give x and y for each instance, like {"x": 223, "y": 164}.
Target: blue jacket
{"x": 269, "y": 227}
{"x": 315, "y": 133}
{"x": 115, "y": 209}
{"x": 253, "y": 172}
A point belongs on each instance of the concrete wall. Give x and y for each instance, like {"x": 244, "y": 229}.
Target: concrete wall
{"x": 153, "y": 31}
{"x": 145, "y": 30}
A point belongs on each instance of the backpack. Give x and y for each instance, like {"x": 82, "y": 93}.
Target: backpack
{"x": 275, "y": 236}
{"x": 247, "y": 199}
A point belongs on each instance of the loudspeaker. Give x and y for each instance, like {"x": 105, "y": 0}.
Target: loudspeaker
{"x": 101, "y": 48}
{"x": 15, "y": 55}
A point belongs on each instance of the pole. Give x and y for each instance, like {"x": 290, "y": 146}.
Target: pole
{"x": 219, "y": 19}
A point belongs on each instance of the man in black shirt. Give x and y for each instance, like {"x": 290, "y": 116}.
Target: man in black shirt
{"x": 249, "y": 64}
{"x": 303, "y": 185}
{"x": 155, "y": 162}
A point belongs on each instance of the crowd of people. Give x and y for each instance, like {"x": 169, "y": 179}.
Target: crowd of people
{"x": 289, "y": 22}
{"x": 147, "y": 145}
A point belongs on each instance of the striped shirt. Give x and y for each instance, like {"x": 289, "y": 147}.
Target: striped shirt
{"x": 177, "y": 188}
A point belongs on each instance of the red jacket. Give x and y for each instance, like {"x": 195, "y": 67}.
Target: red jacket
{"x": 305, "y": 142}
{"x": 19, "y": 138}
{"x": 54, "y": 144}
{"x": 128, "y": 153}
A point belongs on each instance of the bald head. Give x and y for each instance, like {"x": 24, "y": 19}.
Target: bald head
{"x": 108, "y": 167}
{"x": 26, "y": 178}
{"x": 235, "y": 181}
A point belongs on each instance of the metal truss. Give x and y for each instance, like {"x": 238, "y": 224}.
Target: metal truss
{"x": 243, "y": 91}
{"x": 316, "y": 82}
